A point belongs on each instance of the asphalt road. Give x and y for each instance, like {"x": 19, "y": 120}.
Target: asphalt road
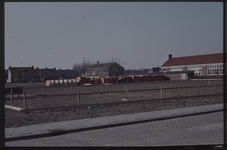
{"x": 203, "y": 129}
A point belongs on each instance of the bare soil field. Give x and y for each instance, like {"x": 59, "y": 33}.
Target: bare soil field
{"x": 152, "y": 90}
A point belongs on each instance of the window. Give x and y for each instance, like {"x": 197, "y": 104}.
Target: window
{"x": 215, "y": 69}
{"x": 221, "y": 69}
{"x": 176, "y": 69}
{"x": 209, "y": 71}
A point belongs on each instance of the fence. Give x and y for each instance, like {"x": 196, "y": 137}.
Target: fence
{"x": 126, "y": 90}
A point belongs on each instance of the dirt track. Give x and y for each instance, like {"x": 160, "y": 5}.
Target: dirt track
{"x": 16, "y": 119}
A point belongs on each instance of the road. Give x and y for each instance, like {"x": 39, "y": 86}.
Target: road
{"x": 202, "y": 129}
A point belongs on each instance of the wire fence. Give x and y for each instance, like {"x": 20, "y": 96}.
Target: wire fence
{"x": 98, "y": 95}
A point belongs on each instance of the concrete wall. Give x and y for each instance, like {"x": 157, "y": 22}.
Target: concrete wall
{"x": 176, "y": 76}
{"x": 204, "y": 70}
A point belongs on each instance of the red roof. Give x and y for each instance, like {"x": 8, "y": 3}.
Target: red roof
{"x": 193, "y": 60}
{"x": 21, "y": 69}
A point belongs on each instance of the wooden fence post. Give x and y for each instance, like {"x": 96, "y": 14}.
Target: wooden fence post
{"x": 190, "y": 83}
{"x": 24, "y": 99}
{"x": 126, "y": 94}
{"x": 11, "y": 96}
{"x": 70, "y": 89}
{"x": 161, "y": 92}
{"x": 197, "y": 88}
{"x": 42, "y": 90}
{"x": 190, "y": 92}
{"x": 78, "y": 99}
{"x": 208, "y": 82}
{"x": 101, "y": 88}
{"x": 150, "y": 85}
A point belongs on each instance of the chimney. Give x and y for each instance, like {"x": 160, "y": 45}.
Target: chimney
{"x": 97, "y": 62}
{"x": 54, "y": 68}
{"x": 170, "y": 56}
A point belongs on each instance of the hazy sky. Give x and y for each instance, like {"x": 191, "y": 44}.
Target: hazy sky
{"x": 141, "y": 34}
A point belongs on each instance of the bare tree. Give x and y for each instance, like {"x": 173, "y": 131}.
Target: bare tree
{"x": 80, "y": 68}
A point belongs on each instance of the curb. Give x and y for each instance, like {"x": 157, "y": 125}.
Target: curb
{"x": 57, "y": 132}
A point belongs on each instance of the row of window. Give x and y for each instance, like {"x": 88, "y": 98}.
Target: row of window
{"x": 215, "y": 70}
{"x": 194, "y": 68}
{"x": 27, "y": 74}
{"x": 215, "y": 66}
{"x": 176, "y": 69}
{"x": 23, "y": 73}
{"x": 211, "y": 70}
{"x": 23, "y": 79}
{"x": 99, "y": 69}
{"x": 99, "y": 73}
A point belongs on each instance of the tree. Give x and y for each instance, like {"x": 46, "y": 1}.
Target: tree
{"x": 80, "y": 68}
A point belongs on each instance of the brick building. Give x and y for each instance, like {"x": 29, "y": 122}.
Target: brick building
{"x": 20, "y": 74}
{"x": 52, "y": 74}
{"x": 104, "y": 70}
{"x": 209, "y": 65}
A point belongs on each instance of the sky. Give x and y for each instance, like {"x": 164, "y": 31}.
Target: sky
{"x": 140, "y": 34}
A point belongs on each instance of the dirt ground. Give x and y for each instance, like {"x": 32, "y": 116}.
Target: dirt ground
{"x": 16, "y": 119}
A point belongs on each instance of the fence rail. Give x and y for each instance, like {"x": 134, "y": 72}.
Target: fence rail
{"x": 114, "y": 103}
{"x": 123, "y": 91}
{"x": 126, "y": 90}
{"x": 43, "y": 95}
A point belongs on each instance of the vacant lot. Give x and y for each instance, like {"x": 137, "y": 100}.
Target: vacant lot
{"x": 151, "y": 90}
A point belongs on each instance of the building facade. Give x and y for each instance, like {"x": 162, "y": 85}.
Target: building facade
{"x": 20, "y": 74}
{"x": 26, "y": 74}
{"x": 104, "y": 70}
{"x": 53, "y": 74}
{"x": 209, "y": 65}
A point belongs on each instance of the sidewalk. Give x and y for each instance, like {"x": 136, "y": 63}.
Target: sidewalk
{"x": 58, "y": 128}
